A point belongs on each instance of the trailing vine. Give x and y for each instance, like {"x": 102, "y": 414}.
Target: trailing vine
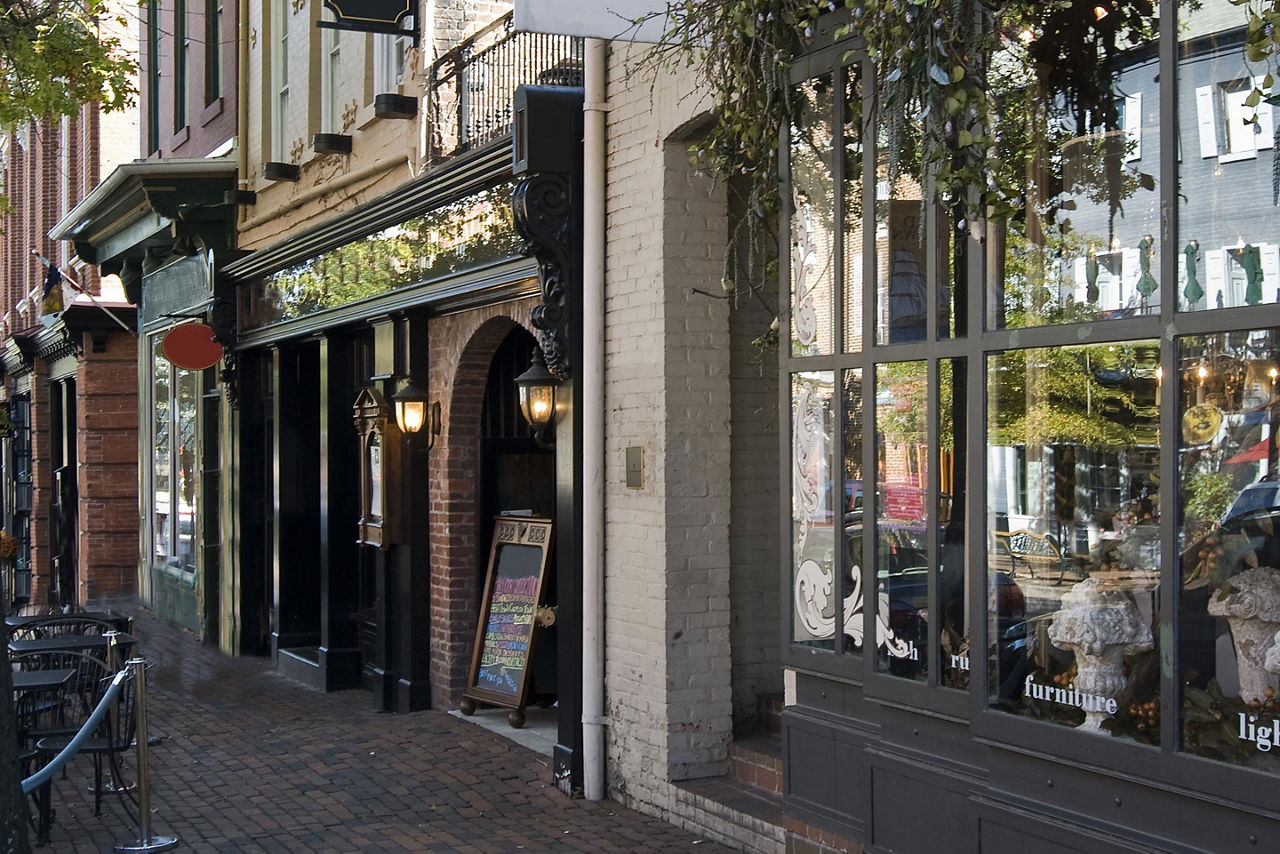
{"x": 955, "y": 84}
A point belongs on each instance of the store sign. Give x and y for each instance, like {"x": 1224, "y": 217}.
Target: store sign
{"x": 626, "y": 20}
{"x": 191, "y": 346}
{"x": 371, "y": 16}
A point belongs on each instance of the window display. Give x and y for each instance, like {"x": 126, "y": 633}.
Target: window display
{"x": 1229, "y": 541}
{"x": 1073, "y": 536}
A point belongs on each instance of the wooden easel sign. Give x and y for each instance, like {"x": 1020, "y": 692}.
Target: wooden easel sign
{"x": 505, "y": 631}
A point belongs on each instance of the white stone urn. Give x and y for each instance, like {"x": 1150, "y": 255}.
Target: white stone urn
{"x": 1250, "y": 602}
{"x": 1101, "y": 626}
{"x": 1272, "y": 662}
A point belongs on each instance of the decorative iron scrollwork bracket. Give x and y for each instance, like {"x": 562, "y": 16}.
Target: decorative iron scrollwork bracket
{"x": 545, "y": 215}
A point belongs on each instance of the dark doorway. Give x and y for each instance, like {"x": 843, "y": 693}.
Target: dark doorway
{"x": 63, "y": 512}
{"x": 517, "y": 477}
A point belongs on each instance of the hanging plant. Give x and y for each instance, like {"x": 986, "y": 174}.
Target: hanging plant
{"x": 956, "y": 83}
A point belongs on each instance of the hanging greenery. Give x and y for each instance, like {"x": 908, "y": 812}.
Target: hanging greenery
{"x": 957, "y": 83}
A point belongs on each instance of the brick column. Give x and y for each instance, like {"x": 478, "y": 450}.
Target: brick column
{"x": 107, "y": 480}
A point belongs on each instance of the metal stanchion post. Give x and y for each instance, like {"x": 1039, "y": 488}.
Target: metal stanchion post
{"x": 113, "y": 664}
{"x": 147, "y": 842}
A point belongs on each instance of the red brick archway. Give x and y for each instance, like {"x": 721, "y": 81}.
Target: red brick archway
{"x": 461, "y": 347}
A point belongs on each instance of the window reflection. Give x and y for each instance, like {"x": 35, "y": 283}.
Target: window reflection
{"x": 1228, "y": 254}
{"x": 462, "y": 234}
{"x": 1073, "y": 539}
{"x": 902, "y": 547}
{"x": 853, "y": 232}
{"x": 812, "y": 213}
{"x": 162, "y": 542}
{"x": 854, "y": 506}
{"x": 1229, "y": 537}
{"x": 953, "y": 623}
{"x": 1081, "y": 244}
{"x": 815, "y": 504}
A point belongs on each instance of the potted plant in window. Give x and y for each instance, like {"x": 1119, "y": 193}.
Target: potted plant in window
{"x": 6, "y": 423}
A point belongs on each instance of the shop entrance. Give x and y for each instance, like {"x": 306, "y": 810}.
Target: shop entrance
{"x": 517, "y": 477}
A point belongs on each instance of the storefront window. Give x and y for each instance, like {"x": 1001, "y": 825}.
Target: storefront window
{"x": 1229, "y": 544}
{"x": 161, "y": 461}
{"x": 1073, "y": 536}
{"x": 902, "y": 267}
{"x": 1227, "y": 248}
{"x": 952, "y": 630}
{"x": 902, "y": 546}
{"x": 816, "y": 507}
{"x": 175, "y": 400}
{"x": 1082, "y": 144}
{"x": 854, "y": 250}
{"x": 812, "y": 213}
{"x": 854, "y": 505}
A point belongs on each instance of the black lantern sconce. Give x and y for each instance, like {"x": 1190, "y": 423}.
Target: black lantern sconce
{"x": 537, "y": 389}
{"x": 414, "y": 411}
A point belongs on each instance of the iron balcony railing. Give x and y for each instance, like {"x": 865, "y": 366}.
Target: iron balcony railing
{"x": 472, "y": 85}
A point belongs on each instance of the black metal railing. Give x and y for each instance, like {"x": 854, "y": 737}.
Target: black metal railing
{"x": 472, "y": 85}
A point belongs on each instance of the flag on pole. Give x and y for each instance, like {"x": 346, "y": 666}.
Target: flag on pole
{"x": 52, "y": 301}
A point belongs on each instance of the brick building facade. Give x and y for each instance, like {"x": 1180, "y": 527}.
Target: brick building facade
{"x": 71, "y": 477}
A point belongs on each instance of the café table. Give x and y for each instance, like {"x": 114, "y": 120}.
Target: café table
{"x": 31, "y": 681}
{"x": 95, "y": 644}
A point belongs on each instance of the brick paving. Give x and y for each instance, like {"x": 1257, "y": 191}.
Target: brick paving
{"x": 251, "y": 762}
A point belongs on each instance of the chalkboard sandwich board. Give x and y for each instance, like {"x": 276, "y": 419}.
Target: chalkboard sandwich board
{"x": 505, "y": 631}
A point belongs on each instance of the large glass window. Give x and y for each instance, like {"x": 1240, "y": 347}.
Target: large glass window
{"x": 175, "y": 399}
{"x": 280, "y": 143}
{"x": 1073, "y": 536}
{"x": 1228, "y": 250}
{"x": 1229, "y": 546}
{"x": 1113, "y": 392}
{"x": 902, "y": 519}
{"x": 1083, "y": 244}
{"x": 816, "y": 506}
{"x": 813, "y": 212}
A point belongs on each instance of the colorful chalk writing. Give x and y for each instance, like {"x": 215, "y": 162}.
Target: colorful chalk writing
{"x": 508, "y": 620}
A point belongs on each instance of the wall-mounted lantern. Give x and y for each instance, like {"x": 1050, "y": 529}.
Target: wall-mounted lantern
{"x": 414, "y": 411}
{"x": 537, "y": 390}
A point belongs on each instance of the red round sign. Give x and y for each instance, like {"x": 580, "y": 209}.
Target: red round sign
{"x": 191, "y": 346}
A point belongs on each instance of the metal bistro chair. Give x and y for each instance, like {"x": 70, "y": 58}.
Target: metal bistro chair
{"x": 61, "y": 625}
{"x": 113, "y": 737}
{"x": 42, "y": 716}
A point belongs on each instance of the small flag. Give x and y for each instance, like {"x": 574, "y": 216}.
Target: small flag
{"x": 52, "y": 302}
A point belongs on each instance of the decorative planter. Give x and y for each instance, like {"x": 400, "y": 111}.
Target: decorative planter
{"x": 1101, "y": 627}
{"x": 390, "y": 106}
{"x": 331, "y": 143}
{"x": 1250, "y": 603}
{"x": 276, "y": 171}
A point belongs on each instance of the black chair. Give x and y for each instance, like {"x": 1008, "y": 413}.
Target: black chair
{"x": 61, "y": 625}
{"x": 113, "y": 737}
{"x": 55, "y": 715}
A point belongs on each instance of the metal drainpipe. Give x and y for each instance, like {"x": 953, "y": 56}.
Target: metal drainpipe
{"x": 593, "y": 237}
{"x": 242, "y": 101}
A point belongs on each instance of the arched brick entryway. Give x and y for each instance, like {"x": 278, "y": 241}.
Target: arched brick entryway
{"x": 462, "y": 346}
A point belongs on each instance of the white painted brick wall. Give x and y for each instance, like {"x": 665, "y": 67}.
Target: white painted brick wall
{"x": 667, "y": 390}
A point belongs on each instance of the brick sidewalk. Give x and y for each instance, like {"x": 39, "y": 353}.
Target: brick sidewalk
{"x": 251, "y": 762}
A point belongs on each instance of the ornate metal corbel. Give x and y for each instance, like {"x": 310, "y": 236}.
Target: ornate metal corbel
{"x": 543, "y": 211}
